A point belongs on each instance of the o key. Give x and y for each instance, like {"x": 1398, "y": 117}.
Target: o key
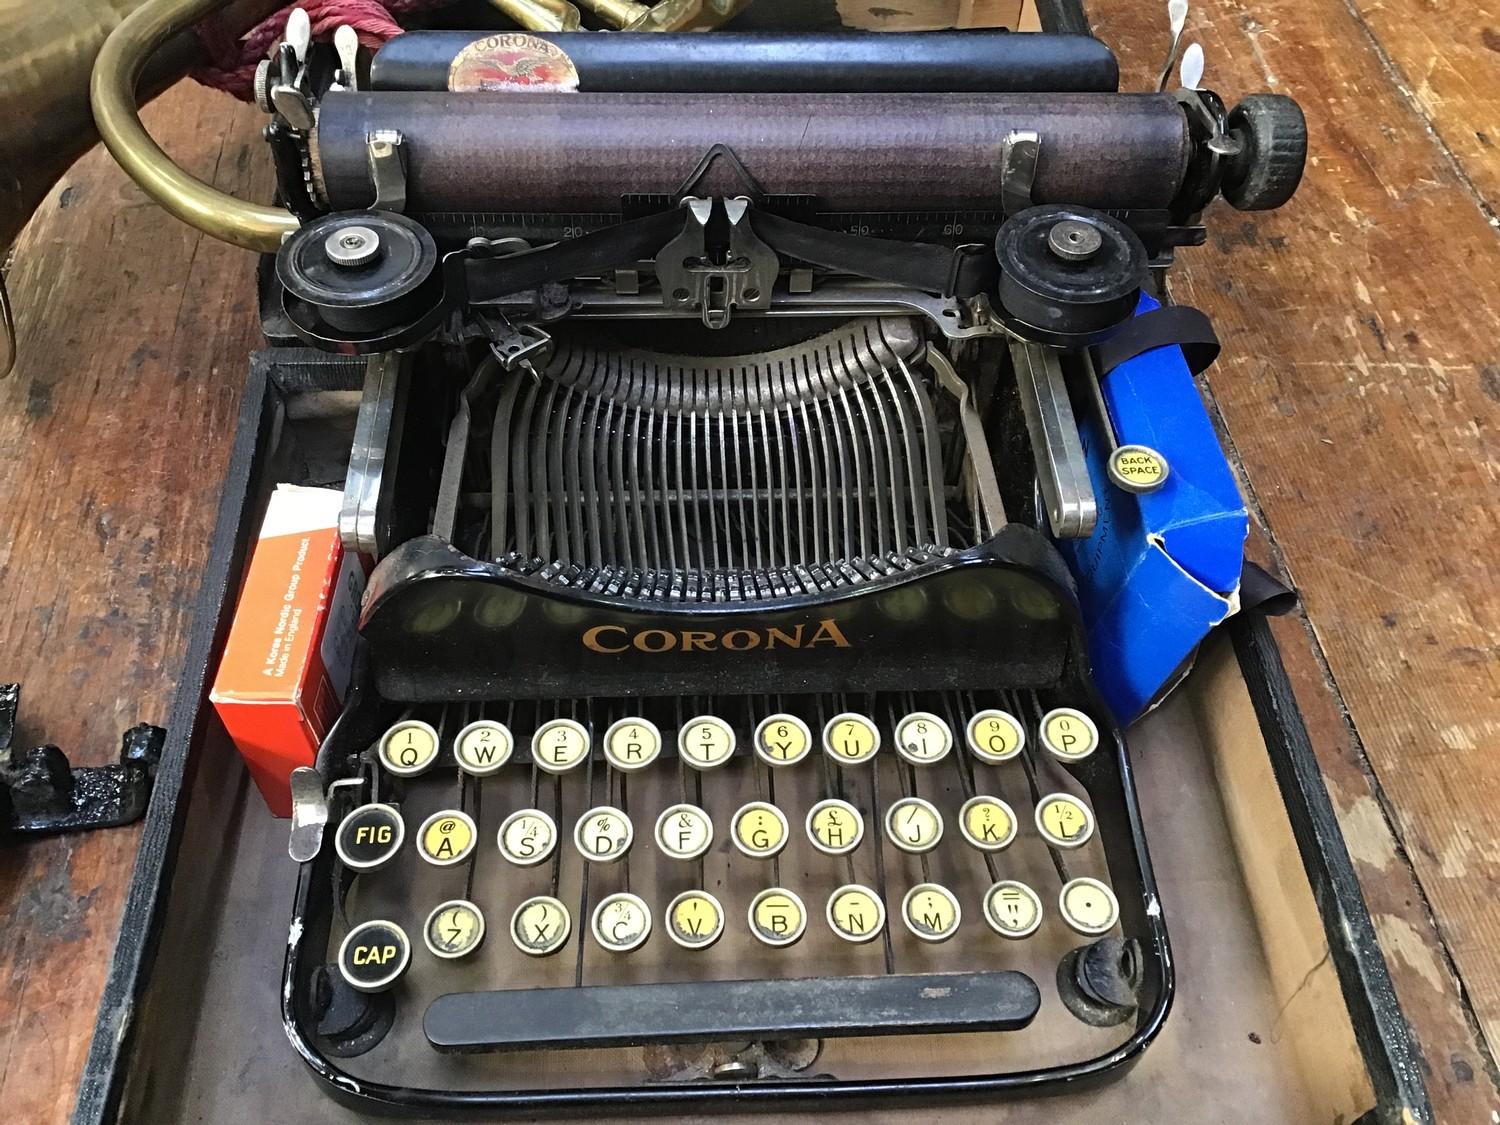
{"x": 527, "y": 837}
{"x": 931, "y": 912}
{"x": 373, "y": 955}
{"x": 684, "y": 832}
{"x": 759, "y": 830}
{"x": 835, "y": 827}
{"x": 856, "y": 913}
{"x": 603, "y": 834}
{"x": 987, "y": 822}
{"x": 1068, "y": 734}
{"x": 851, "y": 739}
{"x": 922, "y": 738}
{"x": 408, "y": 748}
{"x": 706, "y": 742}
{"x": 483, "y": 747}
{"x": 695, "y": 919}
{"x": 1064, "y": 821}
{"x": 632, "y": 744}
{"x": 446, "y": 837}
{"x": 369, "y": 837}
{"x": 559, "y": 745}
{"x": 621, "y": 922}
{"x": 1012, "y": 909}
{"x": 777, "y": 916}
{"x": 1089, "y": 906}
{"x": 914, "y": 825}
{"x": 782, "y": 740}
{"x": 454, "y": 929}
{"x": 540, "y": 926}
{"x": 995, "y": 736}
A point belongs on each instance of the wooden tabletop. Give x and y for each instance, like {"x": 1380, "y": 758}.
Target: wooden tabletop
{"x": 1359, "y": 386}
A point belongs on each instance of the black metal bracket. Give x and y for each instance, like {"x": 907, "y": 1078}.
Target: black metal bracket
{"x": 41, "y": 793}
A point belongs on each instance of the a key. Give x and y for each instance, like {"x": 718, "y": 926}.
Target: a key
{"x": 369, "y": 837}
{"x": 931, "y": 912}
{"x": 632, "y": 744}
{"x": 1088, "y": 906}
{"x": 851, "y": 739}
{"x": 483, "y": 747}
{"x": 540, "y": 926}
{"x": 1068, "y": 734}
{"x": 559, "y": 745}
{"x": 447, "y": 837}
{"x": 621, "y": 922}
{"x": 777, "y": 916}
{"x": 856, "y": 913}
{"x": 987, "y": 822}
{"x": 835, "y": 827}
{"x": 408, "y": 748}
{"x": 684, "y": 831}
{"x": 603, "y": 834}
{"x": 782, "y": 740}
{"x": 527, "y": 837}
{"x": 759, "y": 830}
{"x": 922, "y": 738}
{"x": 1064, "y": 821}
{"x": 454, "y": 929}
{"x": 695, "y": 919}
{"x": 1012, "y": 909}
{"x": 914, "y": 825}
{"x": 706, "y": 742}
{"x": 995, "y": 736}
{"x": 373, "y": 955}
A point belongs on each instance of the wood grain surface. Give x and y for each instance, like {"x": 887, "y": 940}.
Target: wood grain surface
{"x": 1360, "y": 385}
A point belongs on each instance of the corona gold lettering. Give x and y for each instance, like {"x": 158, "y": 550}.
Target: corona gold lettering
{"x": 614, "y": 639}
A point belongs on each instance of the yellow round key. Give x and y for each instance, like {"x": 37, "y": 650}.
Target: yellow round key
{"x": 856, "y": 913}
{"x": 454, "y": 929}
{"x": 987, "y": 822}
{"x": 835, "y": 827}
{"x": 1069, "y": 734}
{"x": 922, "y": 738}
{"x": 1064, "y": 821}
{"x": 408, "y": 748}
{"x": 1138, "y": 468}
{"x": 559, "y": 745}
{"x": 527, "y": 837}
{"x": 603, "y": 834}
{"x": 684, "y": 831}
{"x": 706, "y": 742}
{"x": 995, "y": 736}
{"x": 632, "y": 744}
{"x": 851, "y": 739}
{"x": 621, "y": 922}
{"x": 446, "y": 837}
{"x": 540, "y": 926}
{"x": 931, "y": 912}
{"x": 759, "y": 830}
{"x": 1089, "y": 906}
{"x": 483, "y": 747}
{"x": 1012, "y": 909}
{"x": 914, "y": 825}
{"x": 782, "y": 740}
{"x": 777, "y": 916}
{"x": 695, "y": 919}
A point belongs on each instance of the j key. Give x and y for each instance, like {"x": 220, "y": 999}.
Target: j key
{"x": 914, "y": 825}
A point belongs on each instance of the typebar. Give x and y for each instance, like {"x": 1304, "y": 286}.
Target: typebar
{"x": 620, "y": 1015}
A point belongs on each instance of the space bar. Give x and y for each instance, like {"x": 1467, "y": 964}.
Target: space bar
{"x": 621, "y": 1015}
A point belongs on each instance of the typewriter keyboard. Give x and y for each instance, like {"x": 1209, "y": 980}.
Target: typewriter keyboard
{"x": 724, "y": 861}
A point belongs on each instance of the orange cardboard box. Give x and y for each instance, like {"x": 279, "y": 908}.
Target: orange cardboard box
{"x": 287, "y": 661}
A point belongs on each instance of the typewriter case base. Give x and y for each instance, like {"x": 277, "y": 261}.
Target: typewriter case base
{"x": 1266, "y": 1025}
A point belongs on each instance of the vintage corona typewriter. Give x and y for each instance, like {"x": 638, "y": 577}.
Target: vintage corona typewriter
{"x": 722, "y": 727}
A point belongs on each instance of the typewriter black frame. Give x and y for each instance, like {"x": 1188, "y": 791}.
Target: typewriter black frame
{"x": 1388, "y": 1052}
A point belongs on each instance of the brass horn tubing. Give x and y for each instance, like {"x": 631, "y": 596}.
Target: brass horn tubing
{"x": 112, "y": 91}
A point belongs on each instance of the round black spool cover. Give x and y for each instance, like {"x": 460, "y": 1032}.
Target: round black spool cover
{"x": 1063, "y": 296}
{"x": 367, "y": 297}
